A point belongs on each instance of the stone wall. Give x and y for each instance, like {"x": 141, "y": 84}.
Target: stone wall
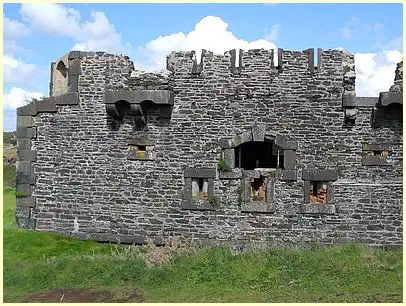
{"x": 87, "y": 182}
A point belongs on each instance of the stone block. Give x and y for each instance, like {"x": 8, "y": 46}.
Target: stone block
{"x": 310, "y": 58}
{"x": 23, "y": 167}
{"x": 258, "y": 132}
{"x": 27, "y": 155}
{"x": 235, "y": 174}
{"x": 75, "y": 54}
{"x": 289, "y": 160}
{"x": 229, "y": 157}
{"x": 46, "y": 106}
{"x": 25, "y": 202}
{"x": 366, "y": 101}
{"x": 24, "y": 178}
{"x": 374, "y": 147}
{"x": 242, "y": 138}
{"x": 323, "y": 175}
{"x": 23, "y": 188}
{"x": 24, "y": 121}
{"x": 70, "y": 98}
{"x": 23, "y": 211}
{"x": 26, "y": 223}
{"x": 73, "y": 84}
{"x": 200, "y": 172}
{"x": 286, "y": 175}
{"x": 310, "y": 208}
{"x": 74, "y": 67}
{"x": 23, "y": 144}
{"x": 250, "y": 173}
{"x": 349, "y": 99}
{"x": 26, "y": 110}
{"x": 226, "y": 143}
{"x": 370, "y": 160}
{"x": 280, "y": 141}
{"x": 26, "y": 132}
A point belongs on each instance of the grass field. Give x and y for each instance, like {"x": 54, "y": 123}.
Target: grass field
{"x": 38, "y": 262}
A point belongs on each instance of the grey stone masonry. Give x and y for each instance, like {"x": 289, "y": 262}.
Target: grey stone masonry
{"x": 117, "y": 154}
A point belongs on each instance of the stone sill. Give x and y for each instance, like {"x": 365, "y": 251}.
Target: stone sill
{"x": 198, "y": 205}
{"x": 132, "y": 156}
{"x": 234, "y": 175}
{"x": 310, "y": 208}
{"x": 257, "y": 206}
{"x": 374, "y": 161}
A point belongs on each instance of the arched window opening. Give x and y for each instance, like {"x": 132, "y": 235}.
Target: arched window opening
{"x": 60, "y": 79}
{"x": 122, "y": 108}
{"x": 251, "y": 155}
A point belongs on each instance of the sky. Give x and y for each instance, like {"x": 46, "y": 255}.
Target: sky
{"x": 34, "y": 35}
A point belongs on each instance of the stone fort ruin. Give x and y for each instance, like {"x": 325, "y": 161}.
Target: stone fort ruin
{"x": 226, "y": 149}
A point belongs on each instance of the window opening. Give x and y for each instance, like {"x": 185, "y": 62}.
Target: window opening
{"x": 251, "y": 155}
{"x": 318, "y": 192}
{"x": 386, "y": 154}
{"x": 200, "y": 189}
{"x": 258, "y": 192}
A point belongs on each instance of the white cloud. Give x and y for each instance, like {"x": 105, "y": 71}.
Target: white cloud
{"x": 272, "y": 33}
{"x": 210, "y": 33}
{"x": 14, "y": 28}
{"x": 346, "y": 33}
{"x": 96, "y": 34}
{"x": 375, "y": 72}
{"x": 17, "y": 72}
{"x": 18, "y": 97}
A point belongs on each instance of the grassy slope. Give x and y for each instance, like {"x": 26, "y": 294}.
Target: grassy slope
{"x": 36, "y": 262}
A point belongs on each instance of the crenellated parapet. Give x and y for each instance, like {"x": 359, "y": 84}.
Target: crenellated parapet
{"x": 236, "y": 62}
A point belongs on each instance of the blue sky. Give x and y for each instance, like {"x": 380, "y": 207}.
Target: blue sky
{"x": 35, "y": 35}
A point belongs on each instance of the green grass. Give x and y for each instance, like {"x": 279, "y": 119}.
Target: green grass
{"x": 35, "y": 262}
{"x": 9, "y": 175}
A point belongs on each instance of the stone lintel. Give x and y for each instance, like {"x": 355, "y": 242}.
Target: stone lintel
{"x": 366, "y": 101}
{"x": 370, "y": 160}
{"x": 200, "y": 172}
{"x": 141, "y": 141}
{"x": 374, "y": 147}
{"x": 323, "y": 175}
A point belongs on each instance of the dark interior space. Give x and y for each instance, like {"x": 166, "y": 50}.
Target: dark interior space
{"x": 251, "y": 155}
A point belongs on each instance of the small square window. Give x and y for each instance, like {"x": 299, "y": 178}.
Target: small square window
{"x": 200, "y": 188}
{"x": 258, "y": 189}
{"x": 318, "y": 192}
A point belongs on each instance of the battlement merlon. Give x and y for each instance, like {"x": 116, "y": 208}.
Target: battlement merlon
{"x": 246, "y": 61}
